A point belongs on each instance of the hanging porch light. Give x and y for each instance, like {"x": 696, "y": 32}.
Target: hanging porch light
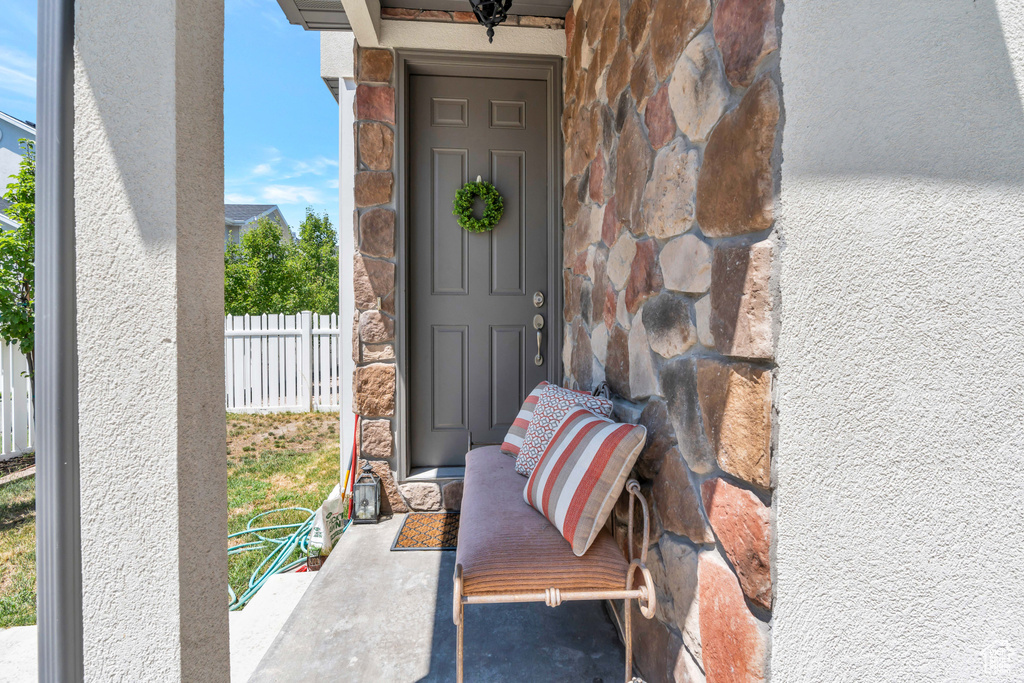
{"x": 490, "y": 13}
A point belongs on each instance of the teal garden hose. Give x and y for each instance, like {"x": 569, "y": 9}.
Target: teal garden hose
{"x": 281, "y": 548}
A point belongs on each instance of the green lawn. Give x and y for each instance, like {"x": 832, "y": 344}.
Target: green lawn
{"x": 274, "y": 461}
{"x": 18, "y": 553}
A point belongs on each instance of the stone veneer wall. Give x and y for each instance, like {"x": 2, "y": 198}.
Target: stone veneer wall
{"x": 373, "y": 343}
{"x": 671, "y": 116}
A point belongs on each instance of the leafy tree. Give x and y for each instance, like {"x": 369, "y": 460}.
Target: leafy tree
{"x": 17, "y": 260}
{"x": 258, "y": 277}
{"x": 316, "y": 263}
{"x": 263, "y": 274}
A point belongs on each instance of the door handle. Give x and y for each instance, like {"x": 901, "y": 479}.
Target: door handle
{"x": 538, "y": 324}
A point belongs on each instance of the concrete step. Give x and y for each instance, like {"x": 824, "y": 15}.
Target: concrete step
{"x": 252, "y": 631}
{"x": 18, "y": 655}
{"x": 254, "y": 628}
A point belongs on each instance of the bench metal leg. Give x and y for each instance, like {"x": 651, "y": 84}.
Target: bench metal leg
{"x": 458, "y": 655}
{"x": 458, "y": 616}
{"x": 628, "y": 620}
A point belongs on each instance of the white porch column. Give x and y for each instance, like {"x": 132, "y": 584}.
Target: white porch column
{"x": 149, "y": 179}
{"x": 337, "y": 64}
{"x": 347, "y": 240}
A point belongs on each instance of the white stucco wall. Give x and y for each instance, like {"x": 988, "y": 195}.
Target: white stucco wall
{"x": 149, "y": 186}
{"x": 337, "y": 54}
{"x": 900, "y": 457}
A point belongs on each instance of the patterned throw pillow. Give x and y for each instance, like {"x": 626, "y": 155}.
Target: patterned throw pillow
{"x": 582, "y": 472}
{"x": 514, "y": 438}
{"x": 552, "y": 406}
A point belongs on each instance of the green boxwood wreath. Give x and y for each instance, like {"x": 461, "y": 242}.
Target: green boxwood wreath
{"x": 463, "y": 206}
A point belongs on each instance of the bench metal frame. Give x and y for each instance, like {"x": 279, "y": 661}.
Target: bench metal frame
{"x": 643, "y": 592}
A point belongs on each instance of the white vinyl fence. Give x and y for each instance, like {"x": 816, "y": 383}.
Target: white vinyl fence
{"x": 16, "y": 419}
{"x": 281, "y": 363}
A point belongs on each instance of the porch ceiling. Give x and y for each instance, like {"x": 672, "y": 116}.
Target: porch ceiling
{"x": 320, "y": 15}
{"x": 316, "y": 15}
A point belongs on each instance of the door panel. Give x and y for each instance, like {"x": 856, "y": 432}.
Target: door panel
{"x": 471, "y": 336}
{"x": 508, "y": 353}
{"x": 449, "y": 245}
{"x": 508, "y": 245}
{"x": 449, "y": 359}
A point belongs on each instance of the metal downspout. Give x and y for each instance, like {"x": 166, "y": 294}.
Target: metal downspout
{"x": 58, "y": 529}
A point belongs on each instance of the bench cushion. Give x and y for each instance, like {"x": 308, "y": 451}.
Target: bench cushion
{"x": 505, "y": 546}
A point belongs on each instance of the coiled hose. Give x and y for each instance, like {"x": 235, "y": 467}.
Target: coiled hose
{"x": 276, "y": 561}
{"x": 284, "y": 546}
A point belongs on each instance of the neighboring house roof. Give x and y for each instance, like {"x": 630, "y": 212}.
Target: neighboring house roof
{"x": 239, "y": 214}
{"x": 27, "y": 126}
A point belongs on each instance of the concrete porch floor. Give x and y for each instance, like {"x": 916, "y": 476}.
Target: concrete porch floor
{"x": 375, "y": 615}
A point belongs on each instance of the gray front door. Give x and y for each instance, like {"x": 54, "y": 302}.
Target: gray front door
{"x": 471, "y": 337}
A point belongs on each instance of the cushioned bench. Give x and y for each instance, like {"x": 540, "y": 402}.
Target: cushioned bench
{"x": 509, "y": 552}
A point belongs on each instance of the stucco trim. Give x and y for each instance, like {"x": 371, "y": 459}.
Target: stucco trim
{"x": 508, "y": 40}
{"x": 364, "y": 18}
{"x": 545, "y": 68}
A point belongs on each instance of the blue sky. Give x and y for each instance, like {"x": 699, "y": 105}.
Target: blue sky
{"x": 280, "y": 121}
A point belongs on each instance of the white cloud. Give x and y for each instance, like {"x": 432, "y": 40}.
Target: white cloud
{"x": 17, "y": 72}
{"x": 291, "y": 194}
{"x": 316, "y": 166}
{"x": 292, "y": 168}
{"x": 275, "y": 180}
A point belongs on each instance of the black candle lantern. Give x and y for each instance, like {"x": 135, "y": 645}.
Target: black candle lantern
{"x": 490, "y": 13}
{"x": 366, "y": 497}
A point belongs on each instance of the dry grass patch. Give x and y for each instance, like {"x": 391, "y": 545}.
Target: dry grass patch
{"x": 17, "y": 463}
{"x": 295, "y": 432}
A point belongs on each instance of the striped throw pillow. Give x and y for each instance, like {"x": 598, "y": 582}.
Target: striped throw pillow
{"x": 514, "y": 438}
{"x": 581, "y": 474}
{"x": 554, "y": 403}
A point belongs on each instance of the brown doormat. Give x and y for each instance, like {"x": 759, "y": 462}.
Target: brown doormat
{"x": 428, "y": 531}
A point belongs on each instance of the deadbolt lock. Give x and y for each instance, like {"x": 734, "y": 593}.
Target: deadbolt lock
{"x": 538, "y": 299}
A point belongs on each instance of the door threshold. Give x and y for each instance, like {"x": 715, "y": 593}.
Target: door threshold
{"x": 436, "y": 473}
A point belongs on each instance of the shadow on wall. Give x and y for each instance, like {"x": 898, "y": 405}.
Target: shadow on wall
{"x": 134, "y": 162}
{"x": 959, "y": 117}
